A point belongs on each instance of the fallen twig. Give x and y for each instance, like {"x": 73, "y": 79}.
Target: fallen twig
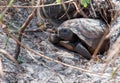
{"x": 9, "y": 56}
{"x": 1, "y": 71}
{"x": 113, "y": 54}
{"x": 24, "y": 26}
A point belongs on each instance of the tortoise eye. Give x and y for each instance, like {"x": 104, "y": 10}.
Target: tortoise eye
{"x": 63, "y": 30}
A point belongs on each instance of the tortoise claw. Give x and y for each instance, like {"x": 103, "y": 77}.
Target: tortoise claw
{"x": 83, "y": 51}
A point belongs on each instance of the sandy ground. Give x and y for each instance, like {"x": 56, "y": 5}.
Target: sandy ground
{"x": 45, "y": 71}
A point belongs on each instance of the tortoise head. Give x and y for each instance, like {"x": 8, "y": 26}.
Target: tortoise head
{"x": 65, "y": 34}
{"x": 53, "y": 38}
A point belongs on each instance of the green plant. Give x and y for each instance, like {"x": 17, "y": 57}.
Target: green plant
{"x": 58, "y": 1}
{"x": 6, "y": 41}
{"x": 3, "y": 13}
{"x": 85, "y": 2}
{"x": 115, "y": 71}
{"x": 20, "y": 59}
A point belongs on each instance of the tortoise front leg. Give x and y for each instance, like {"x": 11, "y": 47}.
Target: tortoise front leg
{"x": 83, "y": 51}
{"x": 79, "y": 48}
{"x": 67, "y": 45}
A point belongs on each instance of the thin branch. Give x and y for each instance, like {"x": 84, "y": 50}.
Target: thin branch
{"x": 37, "y": 6}
{"x": 24, "y": 26}
{"x": 9, "y": 56}
{"x": 1, "y": 71}
{"x": 113, "y": 54}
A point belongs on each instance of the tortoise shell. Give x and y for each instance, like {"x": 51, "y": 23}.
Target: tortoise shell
{"x": 89, "y": 31}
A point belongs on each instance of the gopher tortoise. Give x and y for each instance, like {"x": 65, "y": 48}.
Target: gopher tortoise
{"x": 81, "y": 36}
